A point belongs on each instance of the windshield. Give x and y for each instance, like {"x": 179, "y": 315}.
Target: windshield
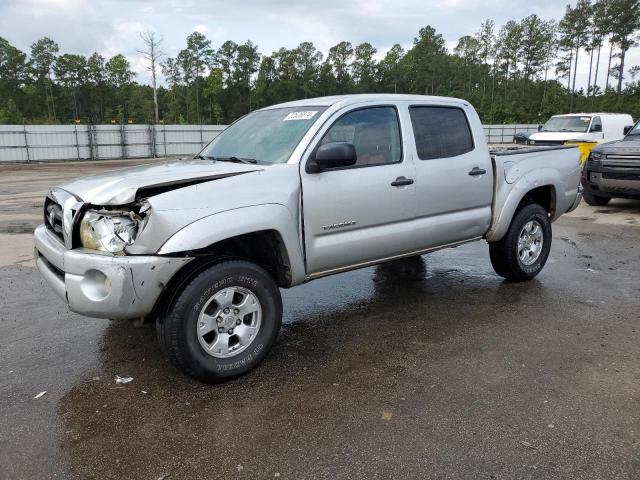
{"x": 636, "y": 129}
{"x": 266, "y": 135}
{"x": 566, "y": 124}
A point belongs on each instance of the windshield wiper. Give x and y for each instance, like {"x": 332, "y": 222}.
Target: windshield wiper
{"x": 235, "y": 159}
{"x": 203, "y": 157}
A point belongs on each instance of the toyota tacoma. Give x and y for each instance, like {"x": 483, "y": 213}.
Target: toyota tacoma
{"x": 283, "y": 196}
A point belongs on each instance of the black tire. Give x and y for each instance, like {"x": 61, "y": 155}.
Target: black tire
{"x": 504, "y": 254}
{"x": 177, "y": 329}
{"x": 594, "y": 200}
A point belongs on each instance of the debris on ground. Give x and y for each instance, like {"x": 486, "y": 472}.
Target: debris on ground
{"x": 121, "y": 380}
{"x": 40, "y": 395}
{"x": 528, "y": 445}
{"x": 386, "y": 415}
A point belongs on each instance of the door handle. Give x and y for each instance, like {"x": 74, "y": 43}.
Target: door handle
{"x": 401, "y": 182}
{"x": 477, "y": 171}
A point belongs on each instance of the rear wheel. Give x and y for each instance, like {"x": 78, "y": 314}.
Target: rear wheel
{"x": 524, "y": 250}
{"x": 593, "y": 199}
{"x": 223, "y": 323}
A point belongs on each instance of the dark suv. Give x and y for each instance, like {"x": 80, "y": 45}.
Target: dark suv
{"x": 613, "y": 169}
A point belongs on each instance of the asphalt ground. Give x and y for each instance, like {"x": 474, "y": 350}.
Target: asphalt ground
{"x": 432, "y": 367}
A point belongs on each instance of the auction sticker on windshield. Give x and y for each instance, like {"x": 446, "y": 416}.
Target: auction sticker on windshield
{"x": 305, "y": 115}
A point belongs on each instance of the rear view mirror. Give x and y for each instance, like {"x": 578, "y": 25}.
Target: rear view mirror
{"x": 627, "y": 129}
{"x": 539, "y": 127}
{"x": 596, "y": 128}
{"x": 333, "y": 155}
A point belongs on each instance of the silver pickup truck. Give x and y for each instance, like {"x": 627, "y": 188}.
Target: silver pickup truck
{"x": 285, "y": 195}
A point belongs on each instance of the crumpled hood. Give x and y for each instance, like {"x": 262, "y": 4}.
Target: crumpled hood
{"x": 629, "y": 145}
{"x": 120, "y": 187}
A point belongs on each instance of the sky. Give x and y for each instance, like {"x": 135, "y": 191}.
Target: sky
{"x": 112, "y": 26}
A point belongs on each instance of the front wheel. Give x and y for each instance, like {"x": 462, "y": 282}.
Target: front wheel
{"x": 593, "y": 199}
{"x": 524, "y": 250}
{"x": 223, "y": 323}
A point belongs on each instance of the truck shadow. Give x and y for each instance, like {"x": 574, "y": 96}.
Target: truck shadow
{"x": 347, "y": 343}
{"x": 620, "y": 205}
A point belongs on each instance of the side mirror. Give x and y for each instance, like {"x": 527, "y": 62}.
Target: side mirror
{"x": 596, "y": 128}
{"x": 627, "y": 129}
{"x": 333, "y": 155}
{"x": 539, "y": 127}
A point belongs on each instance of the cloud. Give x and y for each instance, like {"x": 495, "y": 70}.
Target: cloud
{"x": 112, "y": 26}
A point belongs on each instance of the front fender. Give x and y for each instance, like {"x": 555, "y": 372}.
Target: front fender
{"x": 509, "y": 196}
{"x": 231, "y": 223}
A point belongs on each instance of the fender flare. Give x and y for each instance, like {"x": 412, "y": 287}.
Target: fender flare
{"x": 232, "y": 223}
{"x": 545, "y": 177}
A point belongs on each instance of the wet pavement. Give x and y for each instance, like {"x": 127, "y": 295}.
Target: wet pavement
{"x": 432, "y": 367}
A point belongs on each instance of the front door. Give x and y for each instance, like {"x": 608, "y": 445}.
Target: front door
{"x": 357, "y": 214}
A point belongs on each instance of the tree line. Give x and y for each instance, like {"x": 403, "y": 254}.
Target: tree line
{"x": 523, "y": 71}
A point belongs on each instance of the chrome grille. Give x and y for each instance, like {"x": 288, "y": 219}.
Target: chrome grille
{"x": 53, "y": 218}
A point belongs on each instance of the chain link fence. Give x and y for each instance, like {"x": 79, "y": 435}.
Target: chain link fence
{"x": 42, "y": 143}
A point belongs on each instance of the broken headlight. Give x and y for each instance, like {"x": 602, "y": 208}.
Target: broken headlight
{"x": 109, "y": 231}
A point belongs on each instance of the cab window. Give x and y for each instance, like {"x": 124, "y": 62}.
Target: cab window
{"x": 374, "y": 132}
{"x": 440, "y": 132}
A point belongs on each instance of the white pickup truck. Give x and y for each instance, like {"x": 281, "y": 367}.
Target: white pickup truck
{"x": 283, "y": 196}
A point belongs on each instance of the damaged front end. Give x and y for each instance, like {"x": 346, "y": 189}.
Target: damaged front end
{"x": 112, "y": 229}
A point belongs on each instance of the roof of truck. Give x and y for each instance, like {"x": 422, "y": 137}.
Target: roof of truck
{"x": 356, "y": 98}
{"x": 599, "y": 114}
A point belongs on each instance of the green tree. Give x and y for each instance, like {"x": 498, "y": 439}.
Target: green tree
{"x": 71, "y": 73}
{"x": 118, "y": 76}
{"x": 533, "y": 52}
{"x": 307, "y": 63}
{"x": 426, "y": 63}
{"x": 13, "y": 74}
{"x": 600, "y": 23}
{"x": 363, "y": 68}
{"x": 390, "y": 68}
{"x": 246, "y": 64}
{"x": 340, "y": 58}
{"x": 625, "y": 22}
{"x": 193, "y": 61}
{"x": 574, "y": 28}
{"x": 43, "y": 56}
{"x": 468, "y": 49}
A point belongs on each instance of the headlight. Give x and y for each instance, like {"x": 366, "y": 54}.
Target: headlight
{"x": 108, "y": 231}
{"x": 595, "y": 156}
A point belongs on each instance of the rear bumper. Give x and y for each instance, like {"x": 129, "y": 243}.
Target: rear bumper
{"x": 577, "y": 201}
{"x": 102, "y": 285}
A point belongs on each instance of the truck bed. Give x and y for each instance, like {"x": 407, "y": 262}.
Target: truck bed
{"x": 500, "y": 150}
{"x": 520, "y": 169}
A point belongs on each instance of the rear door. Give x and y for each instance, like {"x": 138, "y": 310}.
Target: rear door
{"x": 358, "y": 214}
{"x": 454, "y": 175}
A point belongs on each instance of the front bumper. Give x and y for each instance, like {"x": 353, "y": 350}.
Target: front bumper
{"x": 613, "y": 181}
{"x": 102, "y": 285}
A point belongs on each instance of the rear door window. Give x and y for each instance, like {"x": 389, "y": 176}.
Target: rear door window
{"x": 440, "y": 132}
